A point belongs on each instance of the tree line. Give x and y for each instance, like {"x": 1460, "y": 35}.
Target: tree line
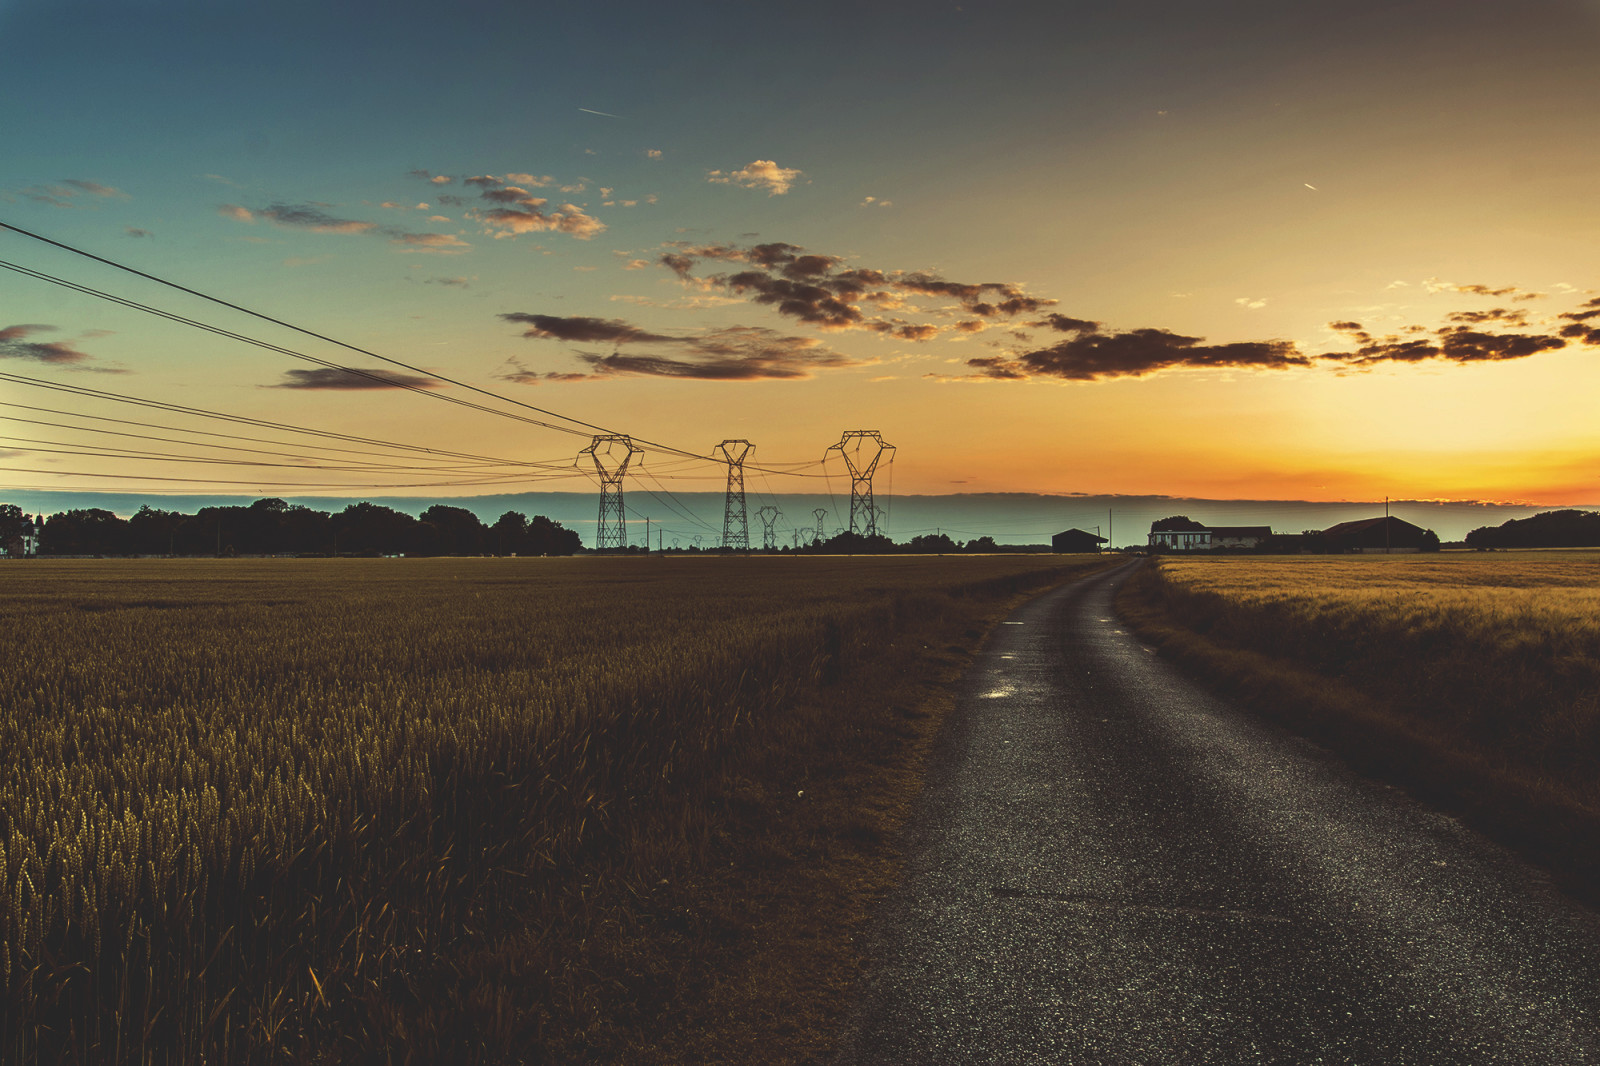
{"x": 275, "y": 527}
{"x": 1549, "y": 529}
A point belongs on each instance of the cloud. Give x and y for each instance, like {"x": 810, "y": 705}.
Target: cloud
{"x": 1093, "y": 356}
{"x": 236, "y": 212}
{"x": 1457, "y": 344}
{"x": 825, "y": 292}
{"x": 637, "y": 264}
{"x": 1498, "y": 314}
{"x": 460, "y": 283}
{"x": 337, "y": 378}
{"x": 135, "y": 231}
{"x": 581, "y": 328}
{"x": 14, "y": 344}
{"x": 313, "y": 218}
{"x": 1434, "y": 285}
{"x": 732, "y": 353}
{"x": 1249, "y": 303}
{"x": 532, "y": 218}
{"x": 94, "y": 188}
{"x": 70, "y": 191}
{"x": 873, "y": 201}
{"x": 429, "y": 242}
{"x": 1586, "y": 311}
{"x": 433, "y": 179}
{"x": 760, "y": 174}
{"x": 652, "y": 153}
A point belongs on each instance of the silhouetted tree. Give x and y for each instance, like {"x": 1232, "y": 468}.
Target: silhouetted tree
{"x": 458, "y": 530}
{"x": 89, "y": 531}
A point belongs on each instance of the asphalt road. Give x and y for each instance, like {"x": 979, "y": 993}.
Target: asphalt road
{"x": 1109, "y": 865}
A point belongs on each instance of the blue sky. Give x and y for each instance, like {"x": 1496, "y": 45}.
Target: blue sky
{"x": 1237, "y": 249}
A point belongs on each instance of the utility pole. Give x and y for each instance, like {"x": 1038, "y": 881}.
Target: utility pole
{"x": 820, "y": 513}
{"x": 862, "y": 449}
{"x": 647, "y": 534}
{"x": 735, "y": 520}
{"x": 611, "y": 454}
{"x": 769, "y": 535}
{"x": 1111, "y": 545}
{"x": 1386, "y": 525}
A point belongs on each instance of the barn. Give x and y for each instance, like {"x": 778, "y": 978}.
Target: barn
{"x": 1387, "y": 534}
{"x": 1076, "y": 540}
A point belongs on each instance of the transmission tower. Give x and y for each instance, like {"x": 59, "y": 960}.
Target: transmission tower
{"x": 821, "y": 513}
{"x": 735, "y": 521}
{"x": 769, "y": 534}
{"x": 611, "y": 453}
{"x": 862, "y": 448}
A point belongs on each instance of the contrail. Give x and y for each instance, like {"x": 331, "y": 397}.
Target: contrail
{"x": 607, "y": 114}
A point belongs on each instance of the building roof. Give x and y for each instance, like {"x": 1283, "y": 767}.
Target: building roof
{"x": 1075, "y": 532}
{"x": 1362, "y": 525}
{"x": 1241, "y": 531}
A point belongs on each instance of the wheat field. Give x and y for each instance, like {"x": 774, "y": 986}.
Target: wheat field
{"x": 242, "y": 802}
{"x": 1495, "y": 653}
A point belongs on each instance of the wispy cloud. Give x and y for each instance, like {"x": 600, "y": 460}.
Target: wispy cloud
{"x": 14, "y": 344}
{"x": 71, "y": 192}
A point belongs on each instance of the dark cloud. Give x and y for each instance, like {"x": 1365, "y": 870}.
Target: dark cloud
{"x": 733, "y": 353}
{"x": 813, "y": 303}
{"x": 14, "y": 344}
{"x": 336, "y": 378}
{"x": 1063, "y": 324}
{"x": 1457, "y": 344}
{"x": 1136, "y": 353}
{"x": 1581, "y": 334}
{"x": 818, "y": 289}
{"x": 314, "y": 218}
{"x": 1586, "y": 311}
{"x": 135, "y": 231}
{"x": 582, "y": 328}
{"x": 1498, "y": 314}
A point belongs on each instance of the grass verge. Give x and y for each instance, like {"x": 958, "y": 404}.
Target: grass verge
{"x": 1460, "y": 701}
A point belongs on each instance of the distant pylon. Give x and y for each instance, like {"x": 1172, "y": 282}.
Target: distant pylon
{"x": 821, "y": 513}
{"x": 735, "y": 520}
{"x": 611, "y": 453}
{"x": 769, "y": 534}
{"x": 862, "y": 448}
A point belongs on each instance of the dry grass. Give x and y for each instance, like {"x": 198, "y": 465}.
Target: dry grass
{"x": 469, "y": 810}
{"x": 1474, "y": 678}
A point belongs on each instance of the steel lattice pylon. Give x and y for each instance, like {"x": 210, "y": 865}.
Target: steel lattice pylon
{"x": 862, "y": 448}
{"x": 821, "y": 513}
{"x": 611, "y": 453}
{"x": 735, "y": 520}
{"x": 769, "y": 534}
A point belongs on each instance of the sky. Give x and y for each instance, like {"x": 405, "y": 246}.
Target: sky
{"x": 1233, "y": 250}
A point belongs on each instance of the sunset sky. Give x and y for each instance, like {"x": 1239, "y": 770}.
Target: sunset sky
{"x": 1230, "y": 249}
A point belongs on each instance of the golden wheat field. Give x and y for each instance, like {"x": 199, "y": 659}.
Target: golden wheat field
{"x": 241, "y": 801}
{"x": 1498, "y": 651}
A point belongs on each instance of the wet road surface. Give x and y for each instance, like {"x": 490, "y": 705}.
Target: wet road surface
{"x": 1108, "y": 865}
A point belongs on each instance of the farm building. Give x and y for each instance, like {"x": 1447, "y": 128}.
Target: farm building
{"x": 1179, "y": 533}
{"x": 1239, "y": 536}
{"x": 1378, "y": 535}
{"x": 1076, "y": 540}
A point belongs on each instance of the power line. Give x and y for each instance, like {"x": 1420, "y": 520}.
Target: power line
{"x": 175, "y": 408}
{"x": 39, "y": 275}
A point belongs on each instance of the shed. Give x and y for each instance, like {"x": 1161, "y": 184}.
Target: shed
{"x": 1239, "y": 536}
{"x": 1076, "y": 540}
